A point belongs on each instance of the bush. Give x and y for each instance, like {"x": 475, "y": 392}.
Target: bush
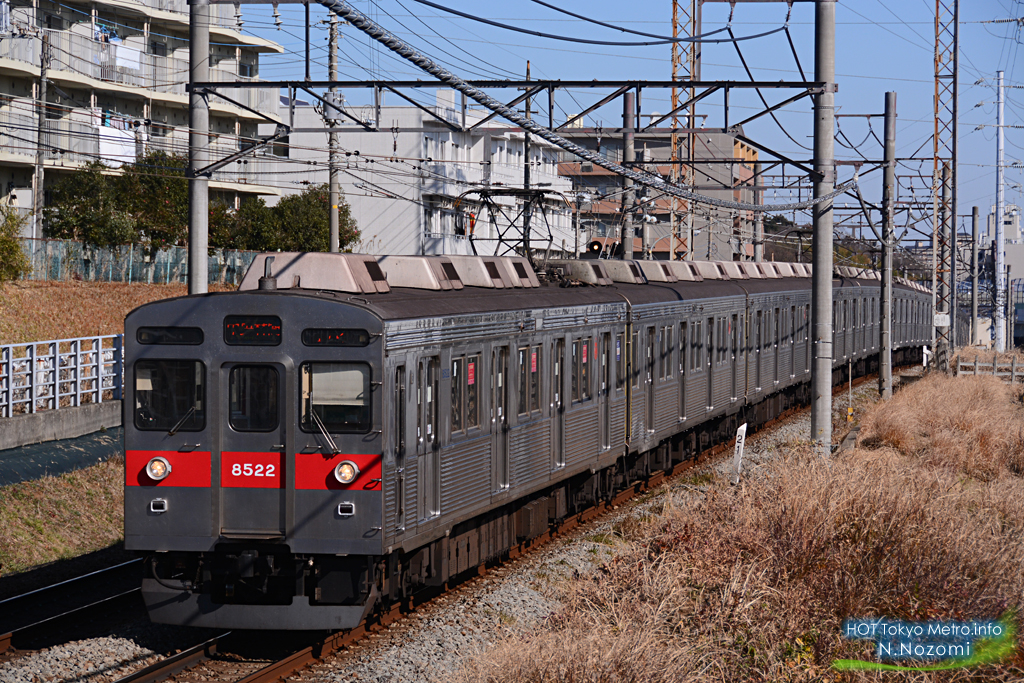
{"x": 13, "y": 262}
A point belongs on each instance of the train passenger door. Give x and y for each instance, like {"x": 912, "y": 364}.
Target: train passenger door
{"x": 428, "y": 446}
{"x": 252, "y": 458}
{"x": 734, "y": 337}
{"x": 558, "y": 400}
{"x": 652, "y": 339}
{"x": 711, "y": 364}
{"x": 758, "y": 347}
{"x": 684, "y": 348}
{"x": 605, "y": 393}
{"x": 499, "y": 415}
{"x": 398, "y": 439}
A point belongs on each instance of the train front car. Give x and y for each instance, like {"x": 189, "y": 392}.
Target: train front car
{"x": 253, "y": 458}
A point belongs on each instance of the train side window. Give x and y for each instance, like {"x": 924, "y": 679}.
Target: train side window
{"x": 170, "y": 395}
{"x": 335, "y": 397}
{"x": 252, "y": 392}
{"x": 458, "y": 394}
{"x": 636, "y": 359}
{"x": 430, "y": 400}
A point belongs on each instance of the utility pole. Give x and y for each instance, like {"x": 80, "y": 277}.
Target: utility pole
{"x": 526, "y": 179}
{"x": 628, "y": 157}
{"x": 888, "y": 199}
{"x": 38, "y": 196}
{"x": 824, "y": 166}
{"x": 334, "y": 187}
{"x": 758, "y": 216}
{"x": 198, "y": 146}
{"x": 1000, "y": 237}
{"x": 975, "y": 218}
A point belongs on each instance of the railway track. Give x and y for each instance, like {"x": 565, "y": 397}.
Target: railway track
{"x": 43, "y": 615}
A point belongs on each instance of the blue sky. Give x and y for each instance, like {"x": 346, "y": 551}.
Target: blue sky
{"x": 880, "y": 47}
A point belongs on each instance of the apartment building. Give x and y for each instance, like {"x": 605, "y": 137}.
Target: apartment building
{"x": 117, "y": 71}
{"x": 724, "y": 170}
{"x": 416, "y": 186}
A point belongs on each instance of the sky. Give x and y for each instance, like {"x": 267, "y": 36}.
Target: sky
{"x": 880, "y": 46}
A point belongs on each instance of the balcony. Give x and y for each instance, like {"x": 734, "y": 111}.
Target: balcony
{"x": 127, "y": 66}
{"x": 18, "y": 134}
{"x": 451, "y": 179}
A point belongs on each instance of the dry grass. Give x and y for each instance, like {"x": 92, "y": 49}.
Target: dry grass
{"x": 56, "y": 518}
{"x": 753, "y": 582}
{"x": 37, "y": 311}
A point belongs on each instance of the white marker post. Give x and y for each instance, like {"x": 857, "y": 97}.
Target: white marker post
{"x": 737, "y": 459}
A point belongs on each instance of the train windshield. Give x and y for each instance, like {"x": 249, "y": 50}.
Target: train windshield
{"x": 170, "y": 395}
{"x": 336, "y": 396}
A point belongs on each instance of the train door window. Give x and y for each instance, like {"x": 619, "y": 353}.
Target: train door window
{"x": 335, "y": 397}
{"x": 556, "y": 372}
{"x": 535, "y": 368}
{"x": 684, "y": 346}
{"x": 792, "y": 324}
{"x": 695, "y": 347}
{"x": 252, "y": 392}
{"x": 777, "y": 328}
{"x": 524, "y": 380}
{"x": 458, "y": 394}
{"x": 635, "y": 357}
{"x": 666, "y": 353}
{"x": 170, "y": 395}
{"x": 419, "y": 405}
{"x": 472, "y": 392}
{"x": 574, "y": 372}
{"x": 620, "y": 362}
{"x": 736, "y": 349}
{"x": 430, "y": 401}
{"x": 584, "y": 370}
{"x": 711, "y": 341}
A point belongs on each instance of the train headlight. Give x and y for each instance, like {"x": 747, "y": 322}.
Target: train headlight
{"x": 346, "y": 472}
{"x": 158, "y": 468}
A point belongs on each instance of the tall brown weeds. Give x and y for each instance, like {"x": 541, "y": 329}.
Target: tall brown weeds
{"x": 754, "y": 582}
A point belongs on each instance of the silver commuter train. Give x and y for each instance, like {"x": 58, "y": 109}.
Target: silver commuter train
{"x": 344, "y": 430}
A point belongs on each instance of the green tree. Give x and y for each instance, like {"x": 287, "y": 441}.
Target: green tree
{"x": 13, "y": 262}
{"x": 85, "y": 206}
{"x": 154, "y": 190}
{"x": 304, "y": 222}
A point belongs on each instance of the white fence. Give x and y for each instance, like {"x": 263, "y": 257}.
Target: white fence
{"x": 62, "y": 373}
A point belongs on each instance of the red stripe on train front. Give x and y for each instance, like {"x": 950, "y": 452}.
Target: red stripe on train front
{"x": 241, "y": 469}
{"x": 315, "y": 471}
{"x": 189, "y": 470}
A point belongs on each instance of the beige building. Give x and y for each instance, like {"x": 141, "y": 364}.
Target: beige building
{"x": 117, "y": 74}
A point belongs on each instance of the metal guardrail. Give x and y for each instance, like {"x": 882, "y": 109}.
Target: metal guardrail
{"x": 1009, "y": 371}
{"x": 61, "y": 373}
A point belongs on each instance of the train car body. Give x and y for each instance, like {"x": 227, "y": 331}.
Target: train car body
{"x": 342, "y": 431}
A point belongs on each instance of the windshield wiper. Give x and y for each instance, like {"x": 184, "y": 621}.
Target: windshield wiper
{"x": 323, "y": 430}
{"x": 184, "y": 418}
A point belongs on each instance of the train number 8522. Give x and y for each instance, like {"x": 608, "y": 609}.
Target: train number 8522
{"x": 248, "y": 469}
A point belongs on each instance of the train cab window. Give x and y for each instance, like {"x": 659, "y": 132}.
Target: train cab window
{"x": 335, "y": 397}
{"x": 170, "y": 395}
{"x": 252, "y": 392}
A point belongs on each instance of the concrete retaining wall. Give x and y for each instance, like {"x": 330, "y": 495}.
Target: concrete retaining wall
{"x": 65, "y": 423}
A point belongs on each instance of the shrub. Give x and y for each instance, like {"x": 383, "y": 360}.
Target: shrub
{"x": 14, "y": 264}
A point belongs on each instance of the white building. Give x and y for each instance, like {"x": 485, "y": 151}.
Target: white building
{"x": 1011, "y": 224}
{"x": 416, "y": 192}
{"x": 117, "y": 74}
